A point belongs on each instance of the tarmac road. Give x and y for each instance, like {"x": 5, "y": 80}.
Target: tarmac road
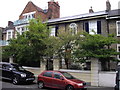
{"x": 7, "y": 85}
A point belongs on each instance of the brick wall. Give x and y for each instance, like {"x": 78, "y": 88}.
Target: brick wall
{"x": 53, "y": 10}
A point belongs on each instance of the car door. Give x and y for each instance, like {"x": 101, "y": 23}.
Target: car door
{"x": 58, "y": 80}
{"x": 47, "y": 78}
{"x": 7, "y": 73}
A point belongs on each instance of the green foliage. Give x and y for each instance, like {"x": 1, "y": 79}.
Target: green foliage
{"x": 53, "y": 45}
{"x": 31, "y": 45}
{"x": 96, "y": 46}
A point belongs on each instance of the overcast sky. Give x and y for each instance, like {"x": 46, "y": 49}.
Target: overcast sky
{"x": 11, "y": 9}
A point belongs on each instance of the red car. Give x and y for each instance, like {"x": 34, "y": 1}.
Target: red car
{"x": 60, "y": 80}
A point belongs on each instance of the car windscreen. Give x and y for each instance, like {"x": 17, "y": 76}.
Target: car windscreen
{"x": 18, "y": 68}
{"x": 67, "y": 75}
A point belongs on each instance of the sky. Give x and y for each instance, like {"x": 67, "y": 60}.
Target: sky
{"x": 11, "y": 9}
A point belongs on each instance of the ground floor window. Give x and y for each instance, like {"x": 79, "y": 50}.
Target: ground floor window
{"x": 118, "y": 50}
{"x": 118, "y": 28}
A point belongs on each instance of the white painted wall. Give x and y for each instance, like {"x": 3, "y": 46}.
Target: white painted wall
{"x": 107, "y": 79}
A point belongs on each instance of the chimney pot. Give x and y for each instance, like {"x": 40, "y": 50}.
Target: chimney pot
{"x": 10, "y": 23}
{"x": 108, "y": 6}
{"x": 91, "y": 10}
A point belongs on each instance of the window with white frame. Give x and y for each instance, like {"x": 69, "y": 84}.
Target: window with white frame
{"x": 73, "y": 27}
{"x": 21, "y": 29}
{"x": 118, "y": 50}
{"x": 10, "y": 34}
{"x": 53, "y": 30}
{"x": 92, "y": 27}
{"x": 118, "y": 28}
{"x": 52, "y": 33}
{"x": 29, "y": 15}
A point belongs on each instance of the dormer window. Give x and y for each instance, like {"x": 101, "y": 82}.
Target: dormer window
{"x": 33, "y": 15}
{"x": 30, "y": 15}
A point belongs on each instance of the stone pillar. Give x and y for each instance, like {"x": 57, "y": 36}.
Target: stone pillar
{"x": 43, "y": 65}
{"x": 94, "y": 72}
{"x": 11, "y": 60}
{"x": 56, "y": 64}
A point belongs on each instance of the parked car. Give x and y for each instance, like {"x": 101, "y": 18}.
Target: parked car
{"x": 16, "y": 73}
{"x": 60, "y": 80}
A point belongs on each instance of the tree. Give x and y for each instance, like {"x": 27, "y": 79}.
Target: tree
{"x": 95, "y": 46}
{"x": 67, "y": 46}
{"x": 30, "y": 46}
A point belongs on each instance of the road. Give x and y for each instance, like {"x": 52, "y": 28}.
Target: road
{"x": 7, "y": 85}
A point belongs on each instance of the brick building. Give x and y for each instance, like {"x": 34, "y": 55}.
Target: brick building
{"x": 31, "y": 11}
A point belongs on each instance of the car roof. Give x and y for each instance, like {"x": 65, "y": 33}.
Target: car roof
{"x": 7, "y": 63}
{"x": 53, "y": 71}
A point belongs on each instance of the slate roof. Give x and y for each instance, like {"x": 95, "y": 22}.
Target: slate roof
{"x": 80, "y": 16}
{"x": 114, "y": 12}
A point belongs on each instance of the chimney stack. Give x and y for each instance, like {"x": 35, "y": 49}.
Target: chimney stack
{"x": 108, "y": 6}
{"x": 53, "y": 9}
{"x": 10, "y": 23}
{"x": 91, "y": 10}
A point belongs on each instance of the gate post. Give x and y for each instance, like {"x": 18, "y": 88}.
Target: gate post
{"x": 43, "y": 65}
{"x": 94, "y": 72}
{"x": 56, "y": 64}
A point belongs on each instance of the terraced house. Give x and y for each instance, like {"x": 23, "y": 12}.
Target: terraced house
{"x": 102, "y": 22}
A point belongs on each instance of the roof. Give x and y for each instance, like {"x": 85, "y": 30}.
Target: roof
{"x": 38, "y": 8}
{"x": 7, "y": 63}
{"x": 21, "y": 21}
{"x": 80, "y": 16}
{"x": 114, "y": 12}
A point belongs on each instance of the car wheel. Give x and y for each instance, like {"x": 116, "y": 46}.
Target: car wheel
{"x": 40, "y": 85}
{"x": 69, "y": 87}
{"x": 15, "y": 80}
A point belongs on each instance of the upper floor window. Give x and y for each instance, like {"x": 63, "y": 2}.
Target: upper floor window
{"x": 118, "y": 28}
{"x": 21, "y": 29}
{"x": 10, "y": 34}
{"x": 29, "y": 15}
{"x": 91, "y": 26}
{"x": 118, "y": 50}
{"x": 73, "y": 27}
{"x": 54, "y": 30}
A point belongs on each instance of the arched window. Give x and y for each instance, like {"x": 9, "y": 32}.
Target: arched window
{"x": 73, "y": 27}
